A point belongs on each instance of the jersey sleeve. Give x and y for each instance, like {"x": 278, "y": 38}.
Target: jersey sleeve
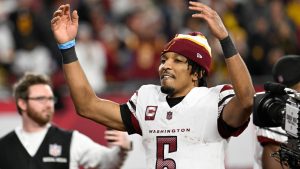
{"x": 274, "y": 135}
{"x": 89, "y": 154}
{"x": 225, "y": 130}
{"x": 128, "y": 114}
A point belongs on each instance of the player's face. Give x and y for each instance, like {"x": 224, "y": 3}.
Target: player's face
{"x": 40, "y": 104}
{"x": 175, "y": 75}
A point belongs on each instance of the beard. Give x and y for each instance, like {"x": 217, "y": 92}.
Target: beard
{"x": 39, "y": 118}
{"x": 167, "y": 90}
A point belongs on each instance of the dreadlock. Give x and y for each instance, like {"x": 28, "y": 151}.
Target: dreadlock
{"x": 198, "y": 69}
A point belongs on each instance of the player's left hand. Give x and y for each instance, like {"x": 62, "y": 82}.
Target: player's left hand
{"x": 212, "y": 18}
{"x": 64, "y": 24}
{"x": 118, "y": 138}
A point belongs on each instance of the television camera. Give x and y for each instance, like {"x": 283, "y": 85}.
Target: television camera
{"x": 279, "y": 106}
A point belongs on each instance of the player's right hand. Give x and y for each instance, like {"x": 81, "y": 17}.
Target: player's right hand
{"x": 64, "y": 25}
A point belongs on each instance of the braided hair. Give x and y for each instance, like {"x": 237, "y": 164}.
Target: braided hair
{"x": 196, "y": 68}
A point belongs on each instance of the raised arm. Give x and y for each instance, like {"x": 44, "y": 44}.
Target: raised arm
{"x": 238, "y": 110}
{"x": 64, "y": 26}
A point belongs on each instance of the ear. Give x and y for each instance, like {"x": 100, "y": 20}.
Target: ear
{"x": 22, "y": 104}
{"x": 197, "y": 76}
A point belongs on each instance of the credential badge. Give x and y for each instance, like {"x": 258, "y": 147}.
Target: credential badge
{"x": 55, "y": 150}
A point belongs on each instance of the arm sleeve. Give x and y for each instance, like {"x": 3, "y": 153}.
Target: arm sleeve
{"x": 226, "y": 131}
{"x": 274, "y": 135}
{"x": 85, "y": 152}
{"x": 128, "y": 114}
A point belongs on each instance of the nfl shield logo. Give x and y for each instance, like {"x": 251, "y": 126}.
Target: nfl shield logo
{"x": 169, "y": 115}
{"x": 55, "y": 150}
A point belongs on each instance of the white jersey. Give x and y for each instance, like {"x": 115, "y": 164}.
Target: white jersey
{"x": 264, "y": 136}
{"x": 272, "y": 134}
{"x": 183, "y": 136}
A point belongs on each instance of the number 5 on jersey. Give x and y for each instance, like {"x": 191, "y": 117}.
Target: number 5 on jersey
{"x": 161, "y": 161}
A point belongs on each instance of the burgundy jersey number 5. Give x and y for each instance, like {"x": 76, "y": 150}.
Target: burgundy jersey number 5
{"x": 161, "y": 162}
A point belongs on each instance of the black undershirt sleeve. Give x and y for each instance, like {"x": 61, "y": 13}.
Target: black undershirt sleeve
{"x": 227, "y": 131}
{"x": 126, "y": 117}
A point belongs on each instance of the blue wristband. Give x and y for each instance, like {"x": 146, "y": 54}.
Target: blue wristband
{"x": 67, "y": 45}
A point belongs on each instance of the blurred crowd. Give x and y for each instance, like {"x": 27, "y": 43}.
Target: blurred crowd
{"x": 119, "y": 41}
